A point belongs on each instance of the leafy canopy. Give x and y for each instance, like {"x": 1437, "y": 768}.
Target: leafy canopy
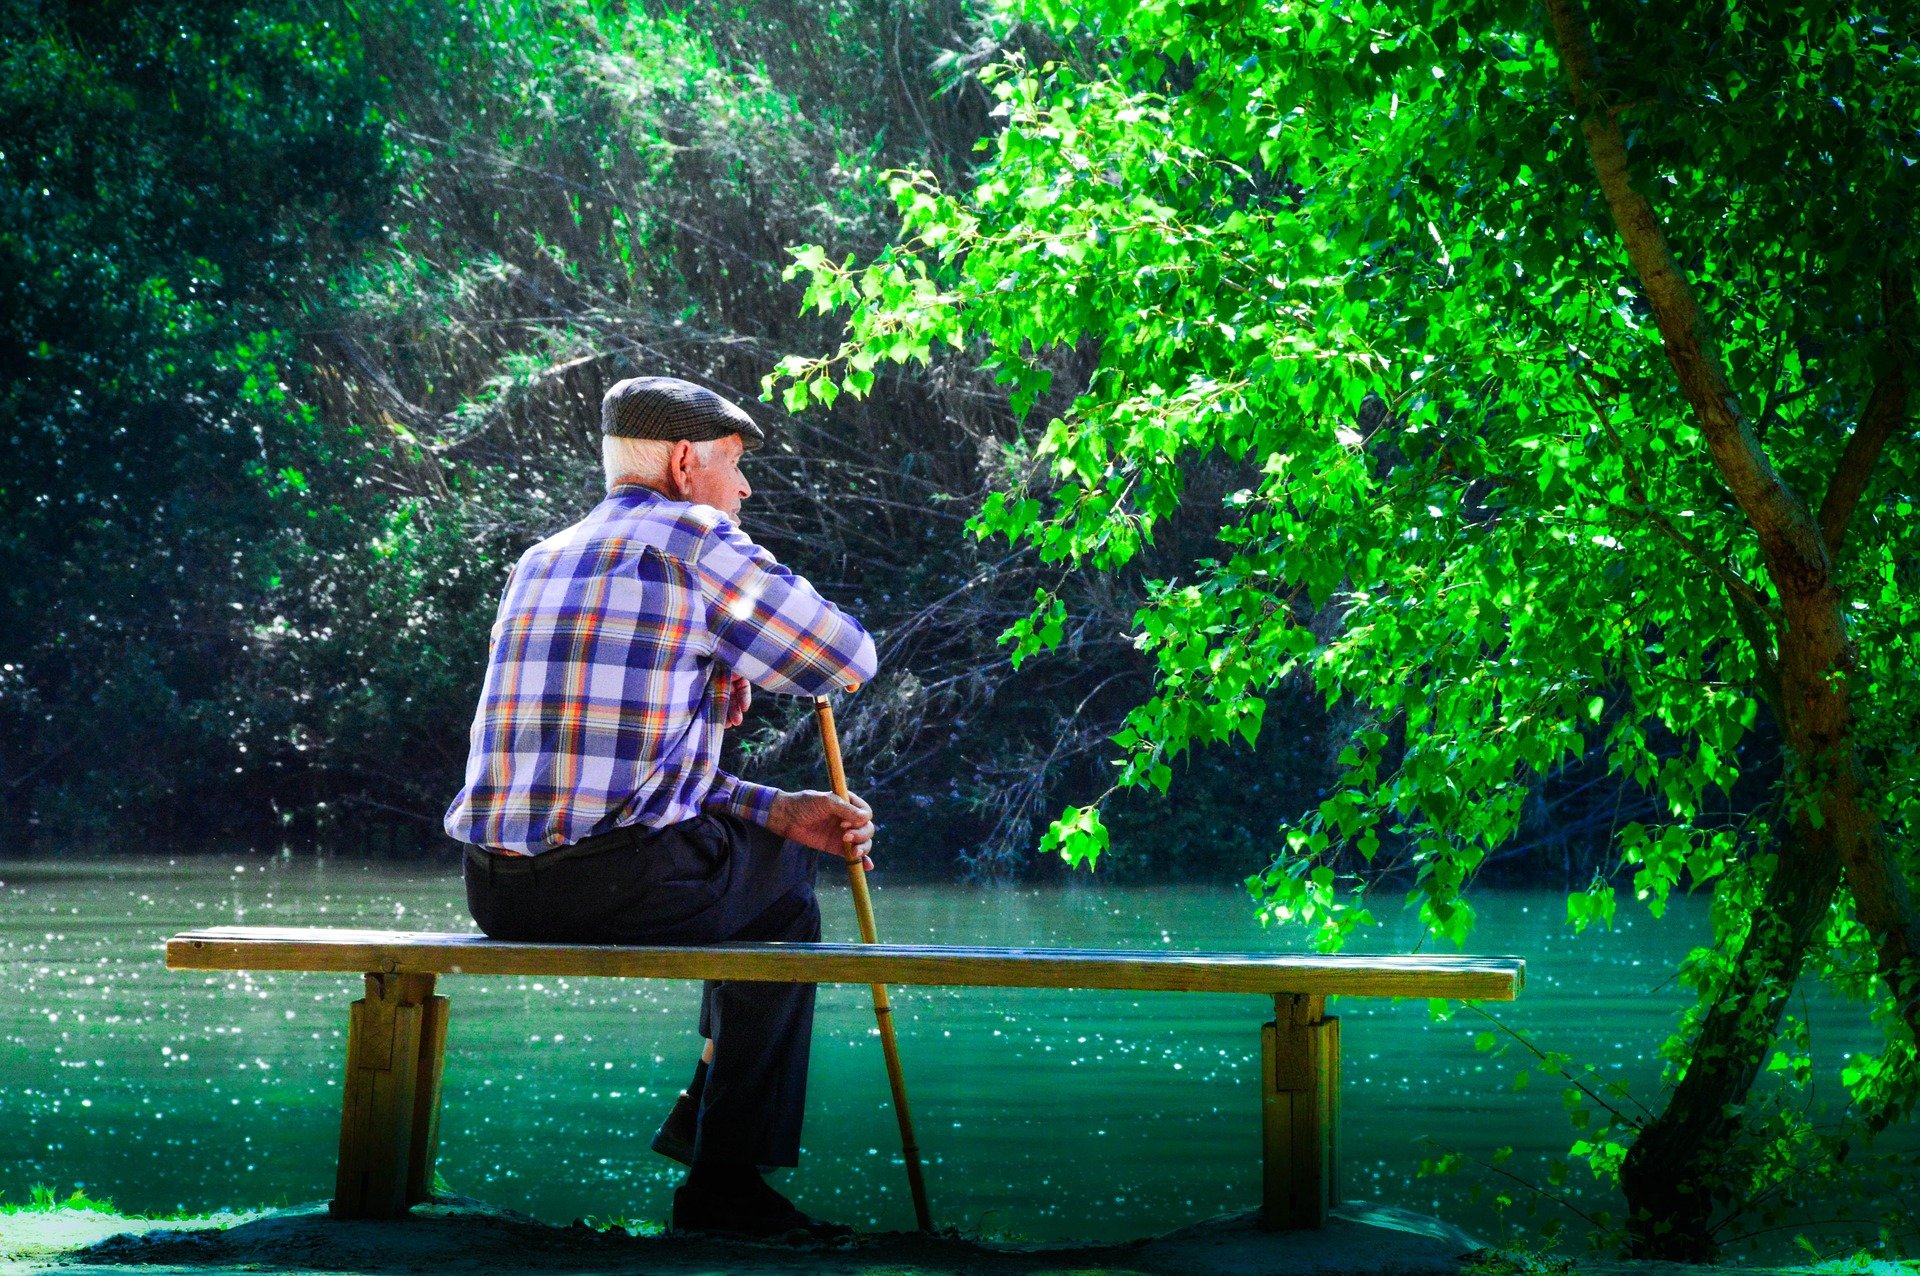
{"x": 1359, "y": 250}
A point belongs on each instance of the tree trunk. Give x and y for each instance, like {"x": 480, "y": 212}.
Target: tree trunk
{"x": 1679, "y": 1169}
{"x": 1680, "y": 1163}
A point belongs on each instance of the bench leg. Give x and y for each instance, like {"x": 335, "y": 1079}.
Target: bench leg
{"x": 389, "y": 1112}
{"x": 425, "y": 1150}
{"x": 1299, "y": 1107}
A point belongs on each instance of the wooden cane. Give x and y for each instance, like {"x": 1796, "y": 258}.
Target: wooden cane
{"x": 863, "y": 909}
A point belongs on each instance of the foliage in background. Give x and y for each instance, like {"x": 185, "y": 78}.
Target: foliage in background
{"x": 587, "y": 193}
{"x": 172, "y": 176}
{"x": 367, "y": 422}
{"x": 1552, "y": 496}
{"x": 316, "y": 309}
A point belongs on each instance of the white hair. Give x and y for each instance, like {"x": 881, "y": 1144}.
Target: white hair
{"x": 644, "y": 459}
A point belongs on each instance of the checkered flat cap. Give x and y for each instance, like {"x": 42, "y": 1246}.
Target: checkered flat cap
{"x": 669, "y": 408}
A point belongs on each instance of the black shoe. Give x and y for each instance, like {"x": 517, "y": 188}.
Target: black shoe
{"x": 738, "y": 1204}
{"x": 675, "y": 1138}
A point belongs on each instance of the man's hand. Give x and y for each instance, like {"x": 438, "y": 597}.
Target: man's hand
{"x": 739, "y": 696}
{"x": 825, "y": 823}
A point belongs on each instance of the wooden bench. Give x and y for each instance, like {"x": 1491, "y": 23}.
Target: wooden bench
{"x": 396, "y": 1039}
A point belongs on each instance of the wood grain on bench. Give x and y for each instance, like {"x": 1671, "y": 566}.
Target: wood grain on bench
{"x": 1270, "y": 974}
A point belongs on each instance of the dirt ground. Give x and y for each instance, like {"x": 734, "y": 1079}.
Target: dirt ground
{"x": 465, "y": 1237}
{"x": 462, "y": 1237}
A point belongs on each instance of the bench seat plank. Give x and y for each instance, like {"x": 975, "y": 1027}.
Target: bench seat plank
{"x": 1342, "y": 974}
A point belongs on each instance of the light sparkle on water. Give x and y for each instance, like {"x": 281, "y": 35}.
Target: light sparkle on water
{"x": 1059, "y": 1113}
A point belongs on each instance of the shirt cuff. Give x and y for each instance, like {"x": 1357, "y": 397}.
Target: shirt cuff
{"x": 751, "y": 802}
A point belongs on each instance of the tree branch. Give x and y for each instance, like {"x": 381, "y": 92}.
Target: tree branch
{"x": 1637, "y": 489}
{"x": 1886, "y": 409}
{"x": 1759, "y": 635}
{"x": 1788, "y": 536}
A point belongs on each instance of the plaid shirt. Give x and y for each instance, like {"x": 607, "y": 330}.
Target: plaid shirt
{"x": 605, "y": 695}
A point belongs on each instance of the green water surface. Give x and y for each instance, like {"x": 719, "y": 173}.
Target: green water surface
{"x": 1040, "y": 1113}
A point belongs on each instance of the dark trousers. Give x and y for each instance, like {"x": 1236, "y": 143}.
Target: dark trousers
{"x": 708, "y": 880}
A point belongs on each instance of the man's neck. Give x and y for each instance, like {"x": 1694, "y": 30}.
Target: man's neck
{"x": 634, "y": 480}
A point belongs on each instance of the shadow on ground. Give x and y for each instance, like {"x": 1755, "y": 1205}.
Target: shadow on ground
{"x": 467, "y": 1237}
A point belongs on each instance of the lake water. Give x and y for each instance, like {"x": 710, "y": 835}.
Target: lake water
{"x": 1040, "y": 1113}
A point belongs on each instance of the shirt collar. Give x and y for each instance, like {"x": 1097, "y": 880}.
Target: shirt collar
{"x": 627, "y": 485}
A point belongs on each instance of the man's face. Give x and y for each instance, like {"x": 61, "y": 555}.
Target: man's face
{"x": 717, "y": 480}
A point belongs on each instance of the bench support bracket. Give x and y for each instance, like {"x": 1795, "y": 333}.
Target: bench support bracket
{"x": 1299, "y": 1107}
{"x": 390, "y": 1103}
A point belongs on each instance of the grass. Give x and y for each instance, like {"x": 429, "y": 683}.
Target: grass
{"x": 43, "y": 1199}
{"x": 631, "y": 1226}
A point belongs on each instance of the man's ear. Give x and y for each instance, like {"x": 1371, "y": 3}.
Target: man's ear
{"x": 680, "y": 467}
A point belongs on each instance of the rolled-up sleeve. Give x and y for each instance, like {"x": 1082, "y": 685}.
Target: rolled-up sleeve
{"x": 773, "y": 628}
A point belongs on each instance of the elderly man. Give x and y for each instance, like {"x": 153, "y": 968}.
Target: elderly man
{"x": 595, "y": 809}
